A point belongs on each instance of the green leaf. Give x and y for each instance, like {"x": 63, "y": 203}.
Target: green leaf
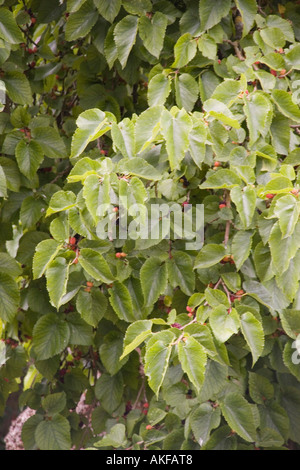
{"x": 80, "y": 23}
{"x": 222, "y": 178}
{"x": 45, "y": 252}
{"x": 91, "y": 306}
{"x": 192, "y": 357}
{"x": 283, "y": 249}
{"x": 263, "y": 262}
{"x": 175, "y": 129}
{"x": 138, "y": 166}
{"x": 136, "y": 334}
{"x": 293, "y": 56}
{"x": 109, "y": 390}
{"x": 123, "y": 136}
{"x": 258, "y": 111}
{"x": 184, "y": 50}
{"x": 49, "y": 139}
{"x": 220, "y": 111}
{"x": 209, "y": 255}
{"x": 9, "y": 30}
{"x": 115, "y": 438}
{"x": 32, "y": 210}
{"x": 159, "y": 89}
{"x": 273, "y": 37}
{"x": 50, "y": 336}
{"x": 224, "y": 323}
{"x": 29, "y": 156}
{"x": 74, "y": 5}
{"x": 227, "y": 91}
{"x": 207, "y": 46}
{"x": 54, "y": 403}
{"x": 57, "y": 274}
{"x": 248, "y": 10}
{"x": 153, "y": 276}
{"x": 180, "y": 272}
{"x": 147, "y": 127}
{"x": 9, "y": 297}
{"x": 9, "y": 265}
{"x": 53, "y": 434}
{"x": 152, "y": 32}
{"x": 3, "y": 188}
{"x": 121, "y": 302}
{"x": 209, "y": 16}
{"x": 215, "y": 297}
{"x": 91, "y": 125}
{"x": 186, "y": 91}
{"x": 241, "y": 246}
{"x": 28, "y": 429}
{"x": 95, "y": 265}
{"x": 254, "y": 335}
{"x": 287, "y": 210}
{"x": 80, "y": 332}
{"x": 203, "y": 419}
{"x": 110, "y": 352}
{"x": 286, "y": 105}
{"x": 108, "y": 9}
{"x": 18, "y": 88}
{"x": 156, "y": 364}
{"x": 138, "y": 7}
{"x": 290, "y": 320}
{"x": 239, "y": 416}
{"x": 277, "y": 185}
{"x": 245, "y": 201}
{"x": 125, "y": 36}
{"x": 61, "y": 201}
{"x": 260, "y": 388}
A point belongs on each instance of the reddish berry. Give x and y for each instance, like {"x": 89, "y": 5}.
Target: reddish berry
{"x": 270, "y": 196}
{"x": 189, "y": 309}
{"x": 217, "y": 164}
{"x": 222, "y": 205}
{"x": 240, "y": 292}
{"x": 273, "y": 72}
{"x": 33, "y": 20}
{"x": 257, "y": 62}
{"x": 190, "y": 315}
{"x": 89, "y": 284}
{"x": 282, "y": 72}
{"x": 148, "y": 427}
{"x": 146, "y": 405}
{"x": 176, "y": 325}
{"x": 118, "y": 255}
{"x": 115, "y": 209}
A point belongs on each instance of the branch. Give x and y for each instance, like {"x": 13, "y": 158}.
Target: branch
{"x": 237, "y": 50}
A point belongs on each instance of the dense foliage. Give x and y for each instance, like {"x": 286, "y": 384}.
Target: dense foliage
{"x": 124, "y": 103}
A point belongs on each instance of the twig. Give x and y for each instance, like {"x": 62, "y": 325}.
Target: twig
{"x": 227, "y": 291}
{"x": 59, "y": 175}
{"x": 237, "y": 50}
